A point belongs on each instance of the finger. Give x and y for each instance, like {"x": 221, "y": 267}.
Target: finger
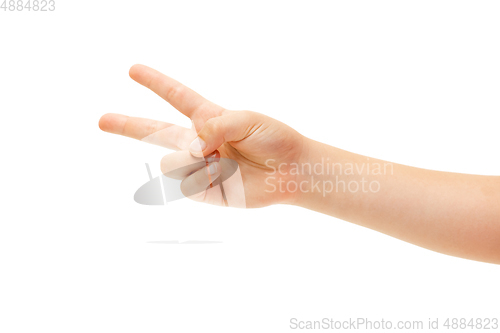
{"x": 234, "y": 189}
{"x": 151, "y": 131}
{"x": 178, "y": 95}
{"x": 211, "y": 196}
{"x": 229, "y": 192}
{"x": 232, "y": 126}
{"x": 181, "y": 164}
{"x": 198, "y": 182}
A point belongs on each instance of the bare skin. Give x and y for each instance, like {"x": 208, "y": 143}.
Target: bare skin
{"x": 455, "y": 214}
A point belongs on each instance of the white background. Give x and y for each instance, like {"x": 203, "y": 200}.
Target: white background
{"x": 412, "y": 82}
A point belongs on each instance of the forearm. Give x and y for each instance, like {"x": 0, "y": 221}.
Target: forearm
{"x": 452, "y": 213}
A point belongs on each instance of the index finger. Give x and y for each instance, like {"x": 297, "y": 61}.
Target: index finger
{"x": 178, "y": 95}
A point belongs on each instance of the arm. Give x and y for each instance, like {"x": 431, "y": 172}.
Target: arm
{"x": 456, "y": 214}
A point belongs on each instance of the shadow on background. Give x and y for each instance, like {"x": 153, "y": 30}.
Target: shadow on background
{"x": 176, "y": 242}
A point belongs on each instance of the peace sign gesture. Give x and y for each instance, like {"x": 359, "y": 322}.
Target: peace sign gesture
{"x": 251, "y": 139}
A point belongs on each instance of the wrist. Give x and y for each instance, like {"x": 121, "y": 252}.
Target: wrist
{"x": 316, "y": 180}
{"x": 304, "y": 172}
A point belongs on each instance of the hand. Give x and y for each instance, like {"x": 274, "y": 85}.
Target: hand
{"x": 249, "y": 138}
{"x": 456, "y": 214}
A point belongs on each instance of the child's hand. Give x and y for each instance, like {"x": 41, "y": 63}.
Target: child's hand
{"x": 249, "y": 138}
{"x": 456, "y": 214}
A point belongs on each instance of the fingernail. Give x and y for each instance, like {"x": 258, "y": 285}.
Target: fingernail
{"x": 211, "y": 169}
{"x": 197, "y": 146}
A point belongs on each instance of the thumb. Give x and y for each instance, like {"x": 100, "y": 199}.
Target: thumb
{"x": 231, "y": 126}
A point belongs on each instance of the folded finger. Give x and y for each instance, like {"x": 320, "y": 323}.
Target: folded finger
{"x": 181, "y": 164}
{"x": 199, "y": 181}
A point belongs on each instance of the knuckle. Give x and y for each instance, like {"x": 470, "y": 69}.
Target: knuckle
{"x": 185, "y": 188}
{"x": 151, "y": 127}
{"x": 176, "y": 92}
{"x": 213, "y": 125}
{"x": 169, "y": 166}
{"x": 164, "y": 164}
{"x": 193, "y": 185}
{"x": 200, "y": 178}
